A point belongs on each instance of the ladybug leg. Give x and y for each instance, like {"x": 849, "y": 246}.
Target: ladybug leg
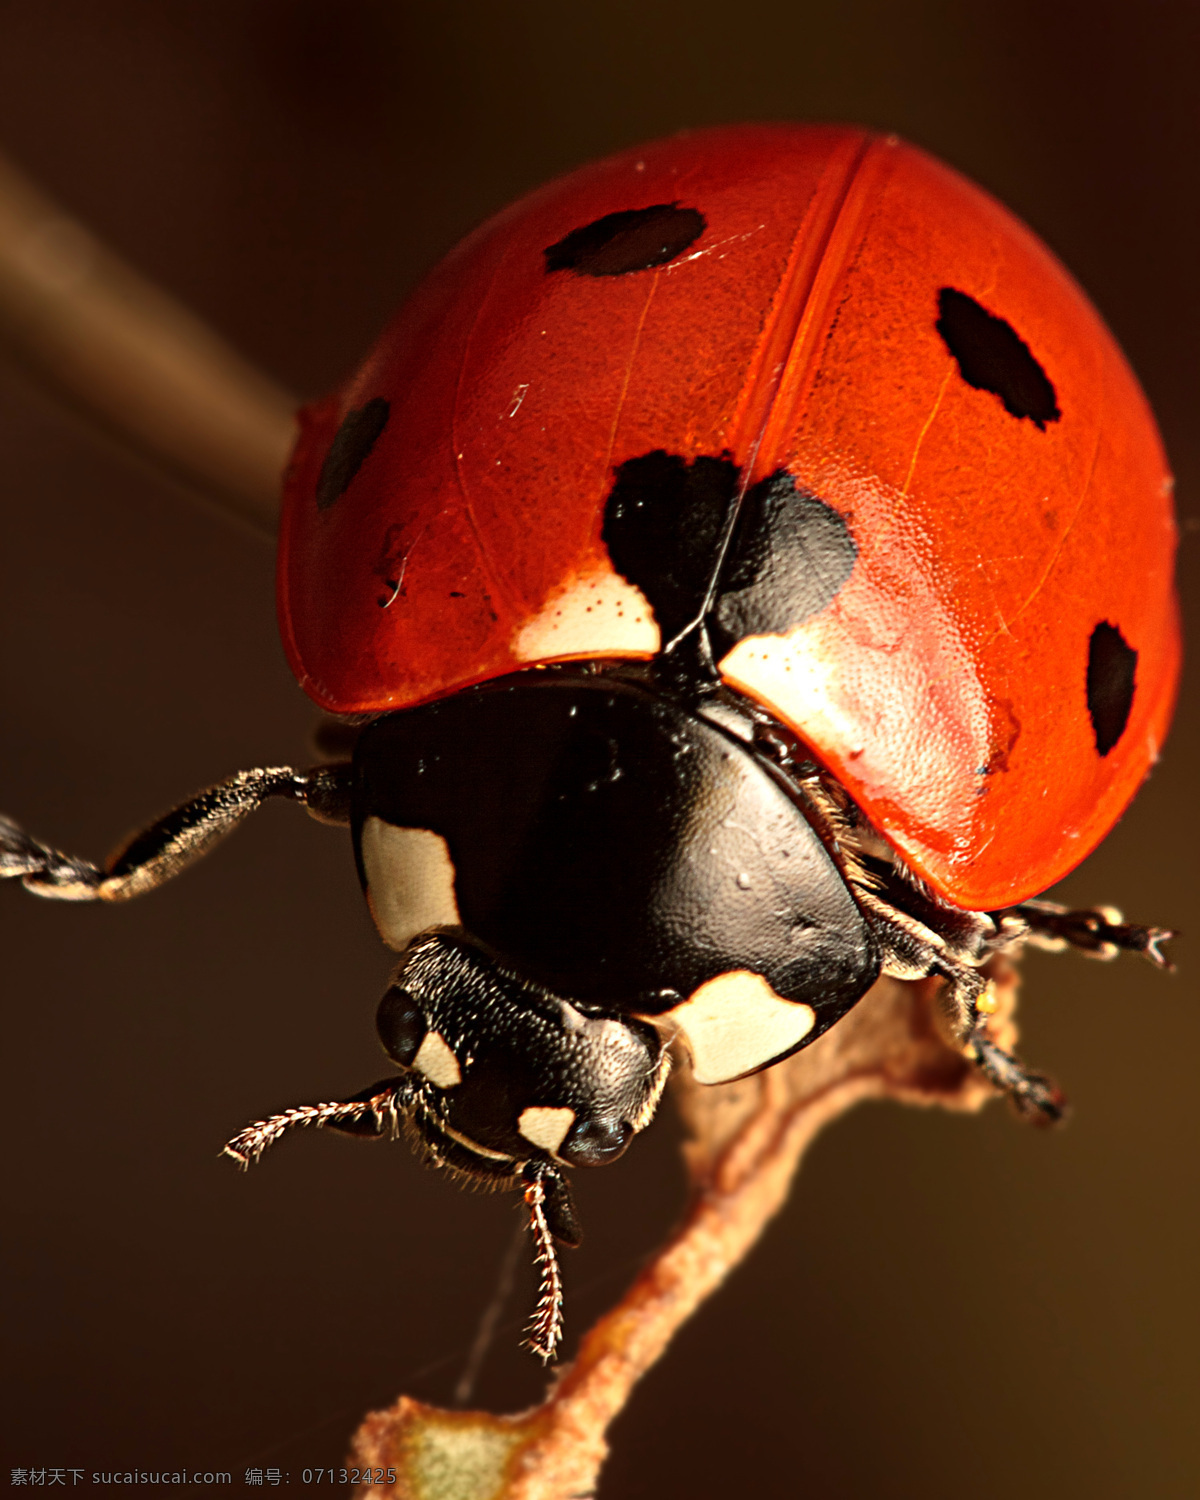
{"x": 175, "y": 841}
{"x": 919, "y": 935}
{"x": 1098, "y": 931}
{"x": 1035, "y": 1096}
{"x": 913, "y": 949}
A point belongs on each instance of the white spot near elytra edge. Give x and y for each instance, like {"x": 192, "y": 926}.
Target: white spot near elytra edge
{"x": 594, "y": 616}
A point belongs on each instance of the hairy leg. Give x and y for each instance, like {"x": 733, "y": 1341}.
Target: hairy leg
{"x": 1098, "y": 931}
{"x": 176, "y": 840}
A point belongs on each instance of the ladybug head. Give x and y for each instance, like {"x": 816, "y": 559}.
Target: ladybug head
{"x": 507, "y": 1072}
{"x": 504, "y": 1084}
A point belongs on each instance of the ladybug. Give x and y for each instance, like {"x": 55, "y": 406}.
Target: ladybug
{"x": 745, "y": 565}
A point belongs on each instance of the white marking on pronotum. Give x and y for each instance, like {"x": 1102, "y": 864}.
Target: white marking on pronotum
{"x": 435, "y": 1059}
{"x": 517, "y": 397}
{"x": 410, "y": 881}
{"x": 545, "y": 1127}
{"x": 736, "y": 1023}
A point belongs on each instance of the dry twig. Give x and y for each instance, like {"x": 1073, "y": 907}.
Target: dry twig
{"x": 119, "y": 349}
{"x": 745, "y": 1143}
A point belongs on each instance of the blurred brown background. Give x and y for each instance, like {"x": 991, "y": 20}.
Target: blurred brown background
{"x": 948, "y": 1306}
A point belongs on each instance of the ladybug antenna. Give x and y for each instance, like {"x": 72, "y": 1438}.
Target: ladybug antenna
{"x": 545, "y": 1327}
{"x": 375, "y": 1111}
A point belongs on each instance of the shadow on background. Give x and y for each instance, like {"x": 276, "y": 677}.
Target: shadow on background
{"x": 947, "y": 1306}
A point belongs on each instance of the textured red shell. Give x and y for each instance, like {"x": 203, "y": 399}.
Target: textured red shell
{"x": 947, "y": 683}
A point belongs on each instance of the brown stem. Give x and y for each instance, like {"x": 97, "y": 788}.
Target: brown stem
{"x": 127, "y": 355}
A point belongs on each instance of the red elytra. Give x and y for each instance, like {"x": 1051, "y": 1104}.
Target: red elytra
{"x": 945, "y": 684}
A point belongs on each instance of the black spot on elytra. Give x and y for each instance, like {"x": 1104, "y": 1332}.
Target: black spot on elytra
{"x": 788, "y": 555}
{"x": 663, "y": 524}
{"x": 635, "y": 239}
{"x": 351, "y": 445}
{"x": 1111, "y": 679}
{"x": 992, "y": 356}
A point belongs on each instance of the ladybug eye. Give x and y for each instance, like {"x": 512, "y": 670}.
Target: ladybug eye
{"x": 636, "y": 239}
{"x": 592, "y": 1143}
{"x": 992, "y": 356}
{"x": 1111, "y": 677}
{"x": 401, "y": 1025}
